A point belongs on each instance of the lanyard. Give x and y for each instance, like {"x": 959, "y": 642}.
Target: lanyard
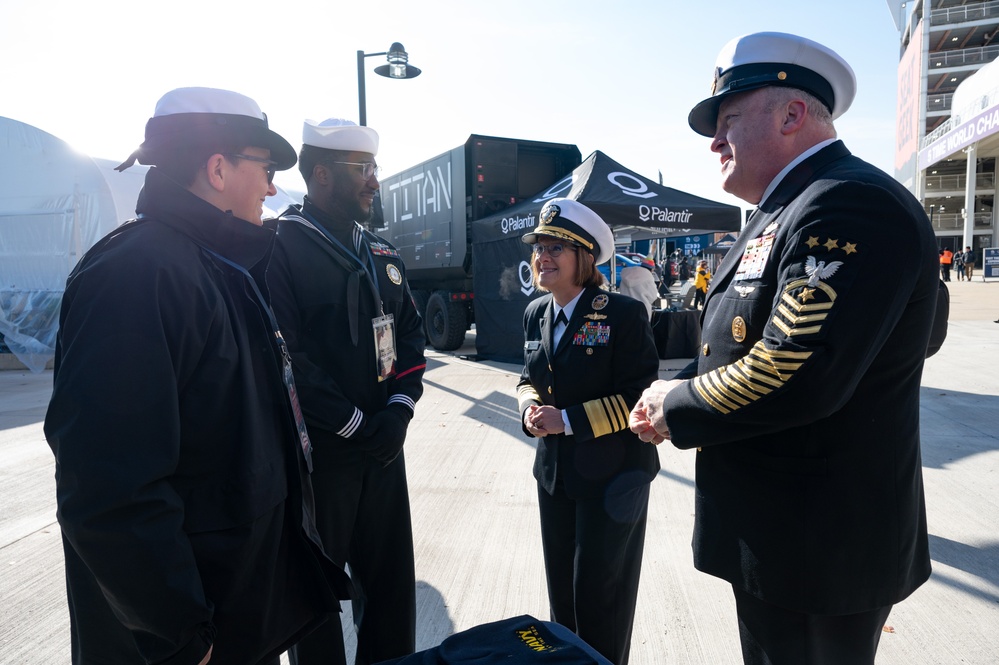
{"x": 288, "y": 375}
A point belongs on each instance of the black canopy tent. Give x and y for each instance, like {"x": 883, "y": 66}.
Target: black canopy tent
{"x": 631, "y": 204}
{"x": 721, "y": 246}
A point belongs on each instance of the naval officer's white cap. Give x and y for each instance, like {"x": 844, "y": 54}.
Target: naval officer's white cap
{"x": 568, "y": 219}
{"x": 776, "y": 59}
{"x": 340, "y": 134}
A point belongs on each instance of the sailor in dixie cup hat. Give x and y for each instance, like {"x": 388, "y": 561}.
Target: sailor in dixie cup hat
{"x": 567, "y": 219}
{"x": 352, "y": 326}
{"x": 340, "y": 134}
{"x": 776, "y": 59}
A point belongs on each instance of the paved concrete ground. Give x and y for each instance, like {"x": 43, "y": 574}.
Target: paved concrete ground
{"x": 478, "y": 545}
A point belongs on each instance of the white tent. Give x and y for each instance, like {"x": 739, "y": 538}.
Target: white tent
{"x": 54, "y": 205}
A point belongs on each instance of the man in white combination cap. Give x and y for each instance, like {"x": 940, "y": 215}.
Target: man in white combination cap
{"x": 181, "y": 468}
{"x": 803, "y": 403}
{"x": 357, "y": 343}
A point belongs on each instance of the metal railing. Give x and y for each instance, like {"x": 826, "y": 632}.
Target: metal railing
{"x": 957, "y": 182}
{"x": 965, "y": 56}
{"x": 985, "y": 101}
{"x": 941, "y": 102}
{"x": 965, "y": 13}
{"x": 950, "y": 221}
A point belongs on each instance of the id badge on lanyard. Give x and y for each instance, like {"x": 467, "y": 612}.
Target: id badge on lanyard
{"x": 385, "y": 355}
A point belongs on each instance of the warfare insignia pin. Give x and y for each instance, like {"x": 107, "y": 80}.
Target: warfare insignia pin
{"x": 595, "y": 317}
{"x": 771, "y": 227}
{"x": 393, "y": 274}
{"x": 739, "y": 329}
{"x": 549, "y": 212}
{"x": 744, "y": 290}
{"x": 599, "y": 302}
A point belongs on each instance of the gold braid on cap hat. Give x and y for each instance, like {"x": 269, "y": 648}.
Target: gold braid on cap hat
{"x": 564, "y": 234}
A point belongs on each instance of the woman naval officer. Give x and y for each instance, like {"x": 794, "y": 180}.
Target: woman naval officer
{"x": 588, "y": 355}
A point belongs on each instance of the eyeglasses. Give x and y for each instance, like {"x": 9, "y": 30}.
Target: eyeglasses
{"x": 554, "y": 250}
{"x": 271, "y": 164}
{"x": 368, "y": 169}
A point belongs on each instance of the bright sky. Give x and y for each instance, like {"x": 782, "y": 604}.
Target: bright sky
{"x": 619, "y": 77}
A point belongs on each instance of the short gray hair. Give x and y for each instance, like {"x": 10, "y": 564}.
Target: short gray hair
{"x": 777, "y": 96}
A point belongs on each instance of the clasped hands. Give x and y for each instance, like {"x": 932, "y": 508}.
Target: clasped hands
{"x": 543, "y": 420}
{"x": 647, "y": 419}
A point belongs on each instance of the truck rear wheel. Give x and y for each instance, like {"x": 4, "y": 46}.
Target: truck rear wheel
{"x": 446, "y": 322}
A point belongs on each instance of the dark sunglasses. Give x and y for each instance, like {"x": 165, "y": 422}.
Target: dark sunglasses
{"x": 271, "y": 164}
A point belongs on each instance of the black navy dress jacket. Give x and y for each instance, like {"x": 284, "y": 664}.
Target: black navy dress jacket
{"x": 183, "y": 491}
{"x": 597, "y": 380}
{"x": 804, "y": 404}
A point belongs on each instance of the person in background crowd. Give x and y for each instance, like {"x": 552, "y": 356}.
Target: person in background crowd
{"x": 702, "y": 279}
{"x": 803, "y": 405}
{"x": 182, "y": 478}
{"x": 356, "y": 341}
{"x": 946, "y": 259}
{"x": 968, "y": 258}
{"x": 587, "y": 356}
{"x": 958, "y": 264}
{"x": 683, "y": 270}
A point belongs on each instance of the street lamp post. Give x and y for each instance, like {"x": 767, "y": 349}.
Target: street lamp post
{"x": 398, "y": 67}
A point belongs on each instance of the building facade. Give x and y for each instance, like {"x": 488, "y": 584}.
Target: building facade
{"x": 947, "y": 120}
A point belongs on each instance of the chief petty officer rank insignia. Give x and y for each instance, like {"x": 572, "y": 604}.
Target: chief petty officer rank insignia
{"x": 806, "y": 302}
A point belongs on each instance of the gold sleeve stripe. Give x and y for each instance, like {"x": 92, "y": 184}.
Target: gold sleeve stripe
{"x": 811, "y": 307}
{"x": 740, "y": 372}
{"x": 734, "y": 386}
{"x": 708, "y": 398}
{"x": 795, "y": 319}
{"x": 742, "y": 386}
{"x": 791, "y": 332}
{"x": 763, "y": 352}
{"x": 761, "y": 377}
{"x": 715, "y": 384}
{"x": 606, "y": 415}
{"x": 771, "y": 366}
{"x": 527, "y": 395}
